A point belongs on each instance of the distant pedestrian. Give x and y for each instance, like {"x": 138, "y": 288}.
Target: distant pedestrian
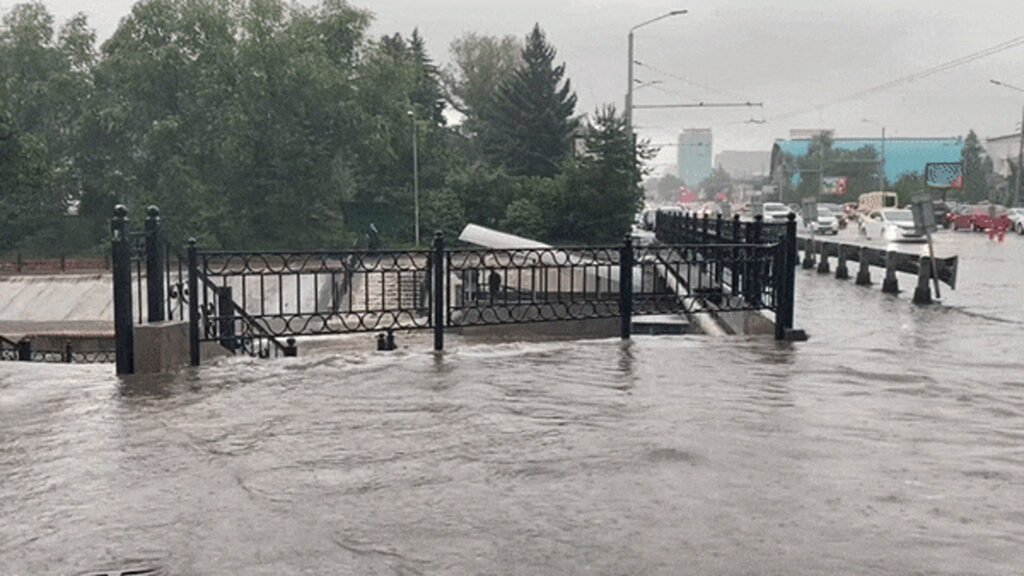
{"x": 493, "y": 284}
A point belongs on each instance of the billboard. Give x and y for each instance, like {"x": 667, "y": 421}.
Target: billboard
{"x": 835, "y": 186}
{"x": 944, "y": 175}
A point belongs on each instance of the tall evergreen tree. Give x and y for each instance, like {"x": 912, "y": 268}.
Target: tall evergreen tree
{"x": 530, "y": 128}
{"x": 975, "y": 179}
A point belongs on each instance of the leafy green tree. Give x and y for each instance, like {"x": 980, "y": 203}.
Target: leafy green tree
{"x": 860, "y": 168}
{"x": 399, "y": 89}
{"x": 908, "y": 186}
{"x": 719, "y": 182}
{"x": 663, "y": 189}
{"x": 484, "y": 193}
{"x": 479, "y": 63}
{"x": 236, "y": 118}
{"x": 530, "y": 127}
{"x": 601, "y": 190}
{"x": 524, "y": 218}
{"x": 444, "y": 212}
{"x": 45, "y": 79}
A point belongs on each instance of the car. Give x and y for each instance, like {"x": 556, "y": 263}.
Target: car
{"x": 979, "y": 217}
{"x": 1016, "y": 218}
{"x": 775, "y": 211}
{"x": 891, "y": 224}
{"x": 825, "y": 223}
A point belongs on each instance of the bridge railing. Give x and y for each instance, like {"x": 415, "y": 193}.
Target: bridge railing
{"x": 253, "y": 300}
{"x": 767, "y": 281}
{"x": 250, "y": 302}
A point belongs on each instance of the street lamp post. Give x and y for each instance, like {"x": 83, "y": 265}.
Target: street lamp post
{"x": 1020, "y": 149}
{"x": 629, "y": 85}
{"x": 415, "y": 178}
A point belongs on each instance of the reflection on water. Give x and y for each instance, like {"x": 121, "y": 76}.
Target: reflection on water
{"x": 890, "y": 443}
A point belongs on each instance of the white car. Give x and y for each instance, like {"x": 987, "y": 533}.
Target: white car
{"x": 825, "y": 223}
{"x": 1016, "y": 216}
{"x": 775, "y": 211}
{"x": 892, "y": 225}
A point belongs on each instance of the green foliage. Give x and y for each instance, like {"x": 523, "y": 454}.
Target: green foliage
{"x": 479, "y": 64}
{"x": 600, "y": 191}
{"x": 524, "y": 218}
{"x": 664, "y": 189}
{"x": 909, "y": 186}
{"x": 719, "y": 182}
{"x": 529, "y": 129}
{"x": 44, "y": 76}
{"x": 265, "y": 123}
{"x": 860, "y": 167}
{"x": 444, "y": 212}
{"x": 976, "y": 177}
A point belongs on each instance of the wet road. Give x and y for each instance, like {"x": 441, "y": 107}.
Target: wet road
{"x": 890, "y": 443}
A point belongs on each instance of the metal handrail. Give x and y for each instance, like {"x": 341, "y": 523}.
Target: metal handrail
{"x": 247, "y": 320}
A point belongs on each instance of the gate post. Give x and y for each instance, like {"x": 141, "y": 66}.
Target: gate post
{"x": 718, "y": 262}
{"x": 24, "y": 350}
{"x": 626, "y": 287}
{"x": 193, "y": 302}
{"x": 121, "y": 262}
{"x": 737, "y": 274}
{"x": 155, "y": 254}
{"x": 438, "y": 295}
{"x": 226, "y": 318}
{"x": 785, "y": 281}
{"x": 757, "y": 268}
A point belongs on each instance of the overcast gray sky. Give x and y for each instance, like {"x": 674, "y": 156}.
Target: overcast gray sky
{"x": 794, "y": 55}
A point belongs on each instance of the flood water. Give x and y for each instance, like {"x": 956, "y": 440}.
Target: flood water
{"x": 892, "y": 442}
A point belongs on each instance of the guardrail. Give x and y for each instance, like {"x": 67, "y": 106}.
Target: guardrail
{"x": 818, "y": 251}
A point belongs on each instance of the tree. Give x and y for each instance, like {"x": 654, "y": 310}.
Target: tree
{"x": 859, "y": 167}
{"x": 529, "y": 129}
{"x": 238, "y": 119}
{"x": 46, "y": 79}
{"x": 975, "y": 176}
{"x": 601, "y": 190}
{"x": 665, "y": 188}
{"x": 719, "y": 182}
{"x": 479, "y": 63}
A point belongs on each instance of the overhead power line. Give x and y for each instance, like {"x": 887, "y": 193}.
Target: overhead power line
{"x": 688, "y": 81}
{"x": 949, "y": 65}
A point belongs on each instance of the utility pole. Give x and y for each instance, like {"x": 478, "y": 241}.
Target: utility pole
{"x": 1020, "y": 162}
{"x": 629, "y": 85}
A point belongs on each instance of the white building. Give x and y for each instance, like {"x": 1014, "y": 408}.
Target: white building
{"x": 1003, "y": 150}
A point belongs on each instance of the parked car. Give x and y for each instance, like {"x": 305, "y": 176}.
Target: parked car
{"x": 891, "y": 224}
{"x": 979, "y": 217}
{"x": 825, "y": 223}
{"x": 1016, "y": 218}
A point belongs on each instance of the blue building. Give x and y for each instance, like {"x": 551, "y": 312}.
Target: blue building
{"x": 902, "y": 155}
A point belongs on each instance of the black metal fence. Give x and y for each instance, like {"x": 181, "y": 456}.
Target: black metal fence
{"x": 755, "y": 261}
{"x": 258, "y": 302}
{"x": 251, "y": 301}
